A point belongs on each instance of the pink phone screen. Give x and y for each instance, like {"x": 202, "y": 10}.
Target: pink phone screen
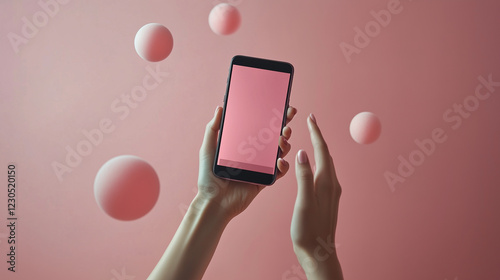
{"x": 254, "y": 114}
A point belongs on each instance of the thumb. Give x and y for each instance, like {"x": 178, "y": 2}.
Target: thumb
{"x": 305, "y": 178}
{"x": 209, "y": 145}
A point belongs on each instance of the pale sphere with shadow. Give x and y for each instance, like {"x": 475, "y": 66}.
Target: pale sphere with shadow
{"x": 153, "y": 42}
{"x": 126, "y": 187}
{"x": 365, "y": 128}
{"x": 224, "y": 19}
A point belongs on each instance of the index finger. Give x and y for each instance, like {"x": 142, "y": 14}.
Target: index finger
{"x": 321, "y": 153}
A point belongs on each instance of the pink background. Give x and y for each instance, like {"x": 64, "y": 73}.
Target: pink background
{"x": 440, "y": 223}
{"x": 257, "y": 93}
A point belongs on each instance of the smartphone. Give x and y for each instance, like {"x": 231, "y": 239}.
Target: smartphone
{"x": 254, "y": 114}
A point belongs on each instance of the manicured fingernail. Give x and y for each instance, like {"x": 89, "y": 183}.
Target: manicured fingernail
{"x": 312, "y": 117}
{"x": 302, "y": 156}
{"x": 284, "y": 140}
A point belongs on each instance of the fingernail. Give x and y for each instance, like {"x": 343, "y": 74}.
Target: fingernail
{"x": 284, "y": 140}
{"x": 312, "y": 117}
{"x": 302, "y": 156}
{"x": 216, "y": 109}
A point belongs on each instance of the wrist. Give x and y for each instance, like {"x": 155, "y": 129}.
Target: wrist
{"x": 210, "y": 209}
{"x": 319, "y": 263}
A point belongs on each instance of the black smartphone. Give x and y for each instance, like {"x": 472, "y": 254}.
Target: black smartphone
{"x": 255, "y": 108}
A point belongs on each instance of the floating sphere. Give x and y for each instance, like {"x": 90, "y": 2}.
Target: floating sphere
{"x": 153, "y": 42}
{"x": 365, "y": 128}
{"x": 224, "y": 19}
{"x": 126, "y": 187}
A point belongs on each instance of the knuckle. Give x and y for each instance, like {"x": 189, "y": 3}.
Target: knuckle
{"x": 209, "y": 126}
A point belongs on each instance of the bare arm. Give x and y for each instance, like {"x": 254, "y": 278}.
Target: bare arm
{"x": 194, "y": 243}
{"x": 217, "y": 202}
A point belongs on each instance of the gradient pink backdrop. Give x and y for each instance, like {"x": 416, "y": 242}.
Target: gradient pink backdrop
{"x": 440, "y": 223}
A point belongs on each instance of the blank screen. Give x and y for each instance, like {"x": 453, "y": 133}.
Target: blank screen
{"x": 254, "y": 114}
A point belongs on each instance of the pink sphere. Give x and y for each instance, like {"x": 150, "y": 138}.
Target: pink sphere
{"x": 224, "y": 19}
{"x": 126, "y": 187}
{"x": 365, "y": 128}
{"x": 153, "y": 42}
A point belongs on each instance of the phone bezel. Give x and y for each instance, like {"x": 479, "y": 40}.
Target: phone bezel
{"x": 243, "y": 175}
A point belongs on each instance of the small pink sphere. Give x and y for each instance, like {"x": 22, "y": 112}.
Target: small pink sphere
{"x": 126, "y": 187}
{"x": 365, "y": 128}
{"x": 153, "y": 42}
{"x": 224, "y": 19}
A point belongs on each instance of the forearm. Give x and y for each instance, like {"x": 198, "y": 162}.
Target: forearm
{"x": 193, "y": 245}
